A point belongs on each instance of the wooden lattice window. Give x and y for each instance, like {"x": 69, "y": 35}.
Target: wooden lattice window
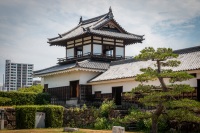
{"x": 98, "y": 94}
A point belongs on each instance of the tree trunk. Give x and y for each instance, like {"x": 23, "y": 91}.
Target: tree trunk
{"x": 164, "y": 87}
{"x": 154, "y": 124}
{"x": 155, "y": 117}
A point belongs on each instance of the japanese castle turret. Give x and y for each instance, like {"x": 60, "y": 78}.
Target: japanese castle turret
{"x": 90, "y": 48}
{"x": 99, "y": 38}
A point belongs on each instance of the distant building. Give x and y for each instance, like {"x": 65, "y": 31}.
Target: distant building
{"x": 18, "y": 75}
{"x": 1, "y": 87}
{"x": 36, "y": 82}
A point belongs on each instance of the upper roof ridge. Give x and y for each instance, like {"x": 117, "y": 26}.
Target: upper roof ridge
{"x": 123, "y": 61}
{"x": 187, "y": 50}
{"x": 93, "y": 19}
{"x": 100, "y": 20}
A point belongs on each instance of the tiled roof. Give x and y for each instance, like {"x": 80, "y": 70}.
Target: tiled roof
{"x": 94, "y": 64}
{"x": 91, "y": 26}
{"x": 88, "y": 64}
{"x": 116, "y": 35}
{"x": 54, "y": 69}
{"x": 190, "y": 60}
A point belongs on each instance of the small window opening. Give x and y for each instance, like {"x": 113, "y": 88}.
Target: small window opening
{"x": 108, "y": 50}
{"x": 78, "y": 51}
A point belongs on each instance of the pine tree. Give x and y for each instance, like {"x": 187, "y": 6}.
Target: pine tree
{"x": 164, "y": 96}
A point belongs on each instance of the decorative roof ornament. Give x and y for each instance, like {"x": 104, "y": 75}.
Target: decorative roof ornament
{"x": 60, "y": 35}
{"x": 110, "y": 14}
{"x": 80, "y": 20}
{"x": 110, "y": 9}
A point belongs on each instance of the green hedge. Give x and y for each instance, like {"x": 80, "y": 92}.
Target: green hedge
{"x": 26, "y": 98}
{"x": 25, "y": 116}
{"x": 5, "y": 101}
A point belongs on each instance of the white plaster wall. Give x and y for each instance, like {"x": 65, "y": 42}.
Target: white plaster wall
{"x": 64, "y": 79}
{"x": 119, "y": 51}
{"x": 42, "y": 81}
{"x": 107, "y": 88}
{"x": 70, "y": 52}
{"x": 97, "y": 49}
{"x": 198, "y": 75}
{"x": 86, "y": 48}
{"x": 128, "y": 85}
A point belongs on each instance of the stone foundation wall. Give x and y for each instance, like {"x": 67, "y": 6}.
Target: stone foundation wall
{"x": 9, "y": 118}
{"x": 78, "y": 117}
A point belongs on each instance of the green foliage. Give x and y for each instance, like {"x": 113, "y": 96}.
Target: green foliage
{"x": 147, "y": 123}
{"x": 34, "y": 88}
{"x": 115, "y": 122}
{"x": 25, "y": 116}
{"x": 5, "y": 101}
{"x": 84, "y": 107}
{"x": 26, "y": 98}
{"x": 149, "y": 53}
{"x": 163, "y": 123}
{"x": 136, "y": 115}
{"x": 106, "y": 107}
{"x": 101, "y": 123}
{"x": 182, "y": 115}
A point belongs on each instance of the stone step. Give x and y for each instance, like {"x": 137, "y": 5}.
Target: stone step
{"x": 132, "y": 126}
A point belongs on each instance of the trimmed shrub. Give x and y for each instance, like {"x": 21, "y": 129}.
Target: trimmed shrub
{"x": 33, "y": 88}
{"x": 4, "y": 101}
{"x": 25, "y": 116}
{"x": 26, "y": 98}
{"x": 54, "y": 116}
{"x": 42, "y": 99}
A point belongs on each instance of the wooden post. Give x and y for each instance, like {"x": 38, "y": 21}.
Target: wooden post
{"x": 2, "y": 119}
{"x": 114, "y": 50}
{"x": 91, "y": 45}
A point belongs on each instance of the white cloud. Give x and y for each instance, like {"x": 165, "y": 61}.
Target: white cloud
{"x": 26, "y": 25}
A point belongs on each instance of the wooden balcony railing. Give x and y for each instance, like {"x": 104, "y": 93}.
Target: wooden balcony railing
{"x": 96, "y": 56}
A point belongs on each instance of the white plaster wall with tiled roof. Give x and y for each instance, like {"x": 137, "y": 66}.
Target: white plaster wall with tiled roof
{"x": 129, "y": 83}
{"x": 64, "y": 79}
{"x": 189, "y": 61}
{"x": 122, "y": 73}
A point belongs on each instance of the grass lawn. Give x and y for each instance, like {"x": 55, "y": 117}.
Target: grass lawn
{"x": 55, "y": 130}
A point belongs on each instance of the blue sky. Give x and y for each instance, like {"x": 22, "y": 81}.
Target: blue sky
{"x": 25, "y": 25}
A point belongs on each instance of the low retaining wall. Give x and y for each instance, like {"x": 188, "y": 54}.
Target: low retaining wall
{"x": 78, "y": 117}
{"x": 9, "y": 118}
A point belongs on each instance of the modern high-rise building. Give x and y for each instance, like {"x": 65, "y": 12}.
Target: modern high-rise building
{"x": 18, "y": 75}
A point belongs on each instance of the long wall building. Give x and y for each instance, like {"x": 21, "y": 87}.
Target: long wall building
{"x": 18, "y": 75}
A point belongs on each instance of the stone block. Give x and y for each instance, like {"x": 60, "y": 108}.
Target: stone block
{"x": 69, "y": 129}
{"x": 118, "y": 129}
